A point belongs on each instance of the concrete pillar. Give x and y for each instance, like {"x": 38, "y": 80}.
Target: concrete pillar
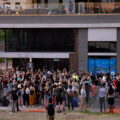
{"x": 118, "y": 50}
{"x": 83, "y": 50}
{"x": 6, "y": 64}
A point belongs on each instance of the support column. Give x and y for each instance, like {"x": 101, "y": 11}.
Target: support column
{"x": 83, "y": 50}
{"x": 73, "y": 62}
{"x": 118, "y": 50}
{"x": 74, "y": 56}
{"x": 6, "y": 64}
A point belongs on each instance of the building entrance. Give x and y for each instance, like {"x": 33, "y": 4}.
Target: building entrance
{"x": 103, "y": 64}
{"x": 50, "y": 64}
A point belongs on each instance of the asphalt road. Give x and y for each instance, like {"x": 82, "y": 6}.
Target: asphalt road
{"x": 79, "y": 19}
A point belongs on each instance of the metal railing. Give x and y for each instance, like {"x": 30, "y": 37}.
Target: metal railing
{"x": 64, "y": 8}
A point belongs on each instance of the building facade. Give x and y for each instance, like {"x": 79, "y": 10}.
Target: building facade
{"x": 79, "y": 43}
{"x": 13, "y": 4}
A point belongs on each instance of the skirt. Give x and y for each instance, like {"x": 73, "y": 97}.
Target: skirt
{"x": 110, "y": 101}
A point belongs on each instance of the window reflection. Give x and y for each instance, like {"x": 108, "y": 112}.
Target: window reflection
{"x": 101, "y": 46}
{"x": 35, "y": 40}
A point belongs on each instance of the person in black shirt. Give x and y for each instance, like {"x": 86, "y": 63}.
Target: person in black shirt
{"x": 59, "y": 98}
{"x": 14, "y": 99}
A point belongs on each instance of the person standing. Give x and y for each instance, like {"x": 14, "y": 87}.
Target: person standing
{"x": 70, "y": 97}
{"x": 102, "y": 94}
{"x": 118, "y": 88}
{"x": 110, "y": 98}
{"x": 14, "y": 96}
{"x": 59, "y": 98}
{"x": 20, "y": 95}
{"x": 83, "y": 98}
{"x": 26, "y": 95}
{"x": 50, "y": 110}
{"x": 32, "y": 95}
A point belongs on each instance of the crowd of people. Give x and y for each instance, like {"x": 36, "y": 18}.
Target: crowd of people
{"x": 29, "y": 88}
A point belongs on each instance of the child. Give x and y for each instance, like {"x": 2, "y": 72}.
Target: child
{"x": 50, "y": 110}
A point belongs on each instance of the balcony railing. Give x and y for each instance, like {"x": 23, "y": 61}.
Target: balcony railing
{"x": 64, "y": 8}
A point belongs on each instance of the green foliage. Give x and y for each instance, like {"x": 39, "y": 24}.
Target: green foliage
{"x": 2, "y": 35}
{"x": 2, "y": 60}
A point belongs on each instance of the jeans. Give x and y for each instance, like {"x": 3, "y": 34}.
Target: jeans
{"x": 102, "y": 103}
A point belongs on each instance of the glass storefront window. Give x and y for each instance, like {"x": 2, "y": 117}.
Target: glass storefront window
{"x": 101, "y": 47}
{"x": 108, "y": 0}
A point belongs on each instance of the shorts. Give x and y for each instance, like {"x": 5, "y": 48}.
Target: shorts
{"x": 20, "y": 96}
{"x": 59, "y": 100}
{"x": 46, "y": 97}
{"x": 110, "y": 101}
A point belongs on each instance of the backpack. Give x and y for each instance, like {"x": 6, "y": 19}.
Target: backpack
{"x": 51, "y": 110}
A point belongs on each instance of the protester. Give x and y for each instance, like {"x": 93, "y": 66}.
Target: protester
{"x": 70, "y": 98}
{"x": 32, "y": 95}
{"x": 15, "y": 99}
{"x": 66, "y": 88}
{"x": 50, "y": 110}
{"x": 102, "y": 94}
{"x": 83, "y": 99}
{"x": 110, "y": 97}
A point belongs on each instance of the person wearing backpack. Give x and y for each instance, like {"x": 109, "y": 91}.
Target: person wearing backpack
{"x": 50, "y": 110}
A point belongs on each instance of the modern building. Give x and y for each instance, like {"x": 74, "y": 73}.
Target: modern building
{"x": 75, "y": 41}
{"x": 13, "y": 4}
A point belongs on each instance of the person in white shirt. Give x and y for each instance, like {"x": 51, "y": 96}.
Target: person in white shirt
{"x": 104, "y": 79}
